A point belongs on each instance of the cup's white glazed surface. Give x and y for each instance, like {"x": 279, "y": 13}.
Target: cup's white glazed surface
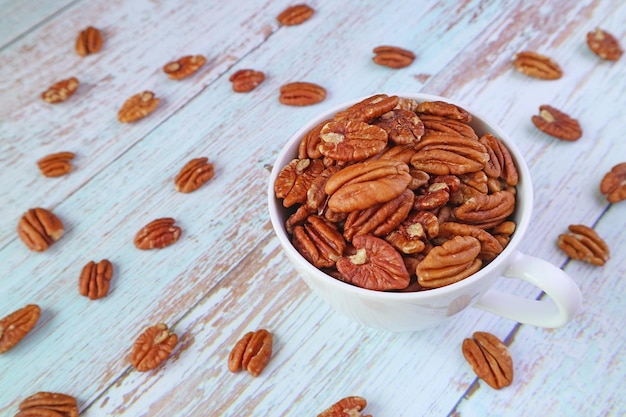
{"x": 419, "y": 310}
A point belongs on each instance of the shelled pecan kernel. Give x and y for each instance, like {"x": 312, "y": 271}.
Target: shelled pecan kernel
{"x": 301, "y": 93}
{"x": 556, "y": 123}
{"x": 16, "y": 326}
{"x": 295, "y": 15}
{"x": 489, "y": 358}
{"x": 194, "y": 174}
{"x": 393, "y": 56}
{"x": 95, "y": 279}
{"x": 346, "y": 407}
{"x": 60, "y": 91}
{"x": 252, "y": 352}
{"x": 454, "y": 260}
{"x": 604, "y": 45}
{"x": 39, "y": 228}
{"x": 613, "y": 184}
{"x": 153, "y": 347}
{"x": 584, "y": 244}
{"x": 157, "y": 234}
{"x": 318, "y": 240}
{"x": 137, "y": 107}
{"x": 56, "y": 164}
{"x": 48, "y": 404}
{"x": 246, "y": 80}
{"x": 89, "y": 41}
{"x": 184, "y": 67}
{"x": 537, "y": 65}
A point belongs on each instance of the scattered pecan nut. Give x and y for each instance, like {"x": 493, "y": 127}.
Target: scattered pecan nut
{"x": 95, "y": 279}
{"x": 56, "y": 164}
{"x": 89, "y": 41}
{"x": 301, "y": 94}
{"x": 294, "y": 180}
{"x": 39, "y": 228}
{"x": 157, "y": 234}
{"x": 489, "y": 358}
{"x": 604, "y": 45}
{"x": 48, "y": 404}
{"x": 556, "y": 123}
{"x": 252, "y": 352}
{"x": 613, "y": 184}
{"x": 184, "y": 67}
{"x": 319, "y": 241}
{"x": 451, "y": 262}
{"x": 346, "y": 407}
{"x": 137, "y": 107}
{"x": 584, "y": 244}
{"x": 16, "y": 325}
{"x": 537, "y": 65}
{"x": 351, "y": 141}
{"x": 60, "y": 91}
{"x": 153, "y": 347}
{"x": 295, "y": 15}
{"x": 246, "y": 80}
{"x": 393, "y": 56}
{"x": 195, "y": 173}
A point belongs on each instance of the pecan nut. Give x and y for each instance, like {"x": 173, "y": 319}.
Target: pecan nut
{"x": 137, "y": 107}
{"x": 443, "y": 109}
{"x": 39, "y": 228}
{"x": 319, "y": 241}
{"x": 294, "y": 180}
{"x": 346, "y": 407}
{"x": 486, "y": 210}
{"x": 604, "y": 45}
{"x": 16, "y": 325}
{"x": 584, "y": 244}
{"x": 451, "y": 262}
{"x": 613, "y": 184}
{"x": 89, "y": 41}
{"x": 500, "y": 164}
{"x": 301, "y": 94}
{"x": 153, "y": 347}
{"x": 60, "y": 91}
{"x": 246, "y": 80}
{"x": 351, "y": 141}
{"x": 556, "y": 123}
{"x": 48, "y": 404}
{"x": 490, "y": 247}
{"x": 368, "y": 109}
{"x": 403, "y": 127}
{"x": 411, "y": 236}
{"x": 184, "y": 67}
{"x": 95, "y": 279}
{"x": 157, "y": 234}
{"x": 252, "y": 352}
{"x": 489, "y": 358}
{"x": 193, "y": 175}
{"x": 537, "y": 65}
{"x": 295, "y": 15}
{"x": 449, "y": 154}
{"x": 393, "y": 56}
{"x": 437, "y": 125}
{"x": 56, "y": 164}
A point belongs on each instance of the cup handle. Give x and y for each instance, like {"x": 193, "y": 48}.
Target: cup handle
{"x": 565, "y": 297}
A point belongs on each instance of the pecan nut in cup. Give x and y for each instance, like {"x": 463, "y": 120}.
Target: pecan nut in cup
{"x": 411, "y": 310}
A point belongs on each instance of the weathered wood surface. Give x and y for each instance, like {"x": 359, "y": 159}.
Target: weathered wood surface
{"x": 227, "y": 274}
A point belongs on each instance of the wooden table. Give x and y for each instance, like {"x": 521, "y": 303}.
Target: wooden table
{"x": 227, "y": 274}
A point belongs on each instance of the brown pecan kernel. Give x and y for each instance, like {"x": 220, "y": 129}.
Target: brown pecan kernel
{"x": 195, "y": 173}
{"x": 584, "y": 244}
{"x": 436, "y": 125}
{"x": 556, "y": 123}
{"x": 95, "y": 279}
{"x": 60, "y": 91}
{"x": 393, "y": 56}
{"x": 319, "y": 241}
{"x": 252, "y": 352}
{"x": 537, "y": 66}
{"x": 16, "y": 325}
{"x": 137, "y": 107}
{"x": 411, "y": 235}
{"x": 316, "y": 195}
{"x": 39, "y": 228}
{"x": 443, "y": 109}
{"x": 295, "y": 15}
{"x": 184, "y": 67}
{"x": 153, "y": 347}
{"x": 490, "y": 247}
{"x": 246, "y": 80}
{"x": 346, "y": 407}
{"x": 294, "y": 180}
{"x": 351, "y": 141}
{"x": 301, "y": 94}
{"x": 435, "y": 196}
{"x": 451, "y": 262}
{"x": 604, "y": 45}
{"x": 489, "y": 358}
{"x": 449, "y": 154}
{"x": 486, "y": 210}
{"x": 89, "y": 41}
{"x": 368, "y": 109}
{"x": 402, "y": 153}
{"x": 310, "y": 142}
{"x": 613, "y": 183}
{"x": 500, "y": 164}
{"x": 157, "y": 234}
{"x": 402, "y": 126}
{"x": 48, "y": 404}
{"x": 56, "y": 164}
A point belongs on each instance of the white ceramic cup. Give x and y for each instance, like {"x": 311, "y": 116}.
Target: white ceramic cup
{"x": 410, "y": 311}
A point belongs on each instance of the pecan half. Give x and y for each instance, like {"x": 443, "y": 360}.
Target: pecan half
{"x": 500, "y": 164}
{"x": 48, "y": 404}
{"x": 153, "y": 347}
{"x": 451, "y": 262}
{"x": 39, "y": 228}
{"x": 195, "y": 173}
{"x": 95, "y": 279}
{"x": 490, "y": 247}
{"x": 246, "y": 80}
{"x": 89, "y": 41}
{"x": 376, "y": 265}
{"x": 137, "y": 107}
{"x": 346, "y": 407}
{"x": 604, "y": 45}
{"x": 537, "y": 66}
{"x": 489, "y": 358}
{"x": 584, "y": 244}
{"x": 61, "y": 91}
{"x": 56, "y": 164}
{"x": 393, "y": 56}
{"x": 157, "y": 234}
{"x": 613, "y": 184}
{"x": 436, "y": 125}
{"x": 556, "y": 123}
{"x": 486, "y": 210}
{"x": 402, "y": 126}
{"x": 184, "y": 67}
{"x": 252, "y": 352}
{"x": 301, "y": 94}
{"x": 319, "y": 241}
{"x": 295, "y": 15}
{"x": 368, "y": 109}
{"x": 449, "y": 154}
{"x": 443, "y": 109}
{"x": 16, "y": 325}
{"x": 294, "y": 180}
{"x": 411, "y": 235}
{"x": 310, "y": 142}
{"x": 351, "y": 141}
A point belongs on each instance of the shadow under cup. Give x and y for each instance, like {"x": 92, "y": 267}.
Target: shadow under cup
{"x": 410, "y": 311}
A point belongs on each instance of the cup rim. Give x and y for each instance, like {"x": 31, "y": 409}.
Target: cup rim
{"x": 524, "y": 186}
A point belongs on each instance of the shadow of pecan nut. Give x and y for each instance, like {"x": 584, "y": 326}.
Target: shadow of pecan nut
{"x": 39, "y": 228}
{"x": 368, "y": 109}
{"x": 60, "y": 91}
{"x": 351, "y": 141}
{"x": 153, "y": 347}
{"x": 393, "y": 56}
{"x": 95, "y": 279}
{"x": 451, "y": 262}
{"x": 295, "y": 15}
{"x": 246, "y": 80}
{"x": 319, "y": 241}
{"x": 604, "y": 45}
{"x": 301, "y": 93}
{"x": 613, "y": 184}
{"x": 557, "y": 124}
{"x": 449, "y": 154}
{"x": 16, "y": 326}
{"x": 489, "y": 358}
{"x": 56, "y": 164}
{"x": 346, "y": 407}
{"x": 48, "y": 404}
{"x": 584, "y": 244}
{"x": 486, "y": 210}
{"x": 137, "y": 107}
{"x": 193, "y": 175}
{"x": 252, "y": 352}
{"x": 294, "y": 179}
{"x": 184, "y": 67}
{"x": 537, "y": 65}
{"x": 89, "y": 41}
{"x": 157, "y": 234}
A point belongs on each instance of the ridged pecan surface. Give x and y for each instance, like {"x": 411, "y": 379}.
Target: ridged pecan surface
{"x": 193, "y": 175}
{"x": 351, "y": 141}
{"x": 95, "y": 279}
{"x": 346, "y": 407}
{"x": 584, "y": 244}
{"x": 319, "y": 241}
{"x": 613, "y": 184}
{"x": 16, "y": 325}
{"x": 489, "y": 358}
{"x": 157, "y": 234}
{"x": 246, "y": 80}
{"x": 604, "y": 45}
{"x": 137, "y": 107}
{"x": 556, "y": 123}
{"x": 153, "y": 347}
{"x": 60, "y": 91}
{"x": 301, "y": 93}
{"x": 39, "y": 228}
{"x": 451, "y": 262}
{"x": 48, "y": 404}
{"x": 537, "y": 65}
{"x": 295, "y": 15}
{"x": 56, "y": 164}
{"x": 184, "y": 67}
{"x": 89, "y": 41}
{"x": 252, "y": 352}
{"x": 393, "y": 56}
